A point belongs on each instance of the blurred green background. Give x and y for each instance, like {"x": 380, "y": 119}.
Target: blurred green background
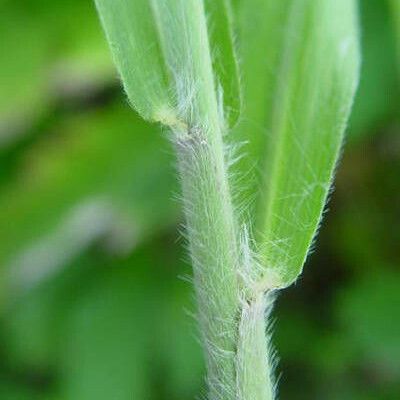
{"x": 92, "y": 302}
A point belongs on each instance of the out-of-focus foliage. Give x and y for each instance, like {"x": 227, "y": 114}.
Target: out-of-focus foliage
{"x": 43, "y": 57}
{"x": 94, "y": 177}
{"x": 395, "y": 8}
{"x": 378, "y": 94}
{"x": 91, "y": 303}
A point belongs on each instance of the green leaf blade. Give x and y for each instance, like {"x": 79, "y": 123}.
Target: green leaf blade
{"x": 225, "y": 63}
{"x": 261, "y": 26}
{"x": 134, "y": 42}
{"x": 318, "y": 78}
{"x": 153, "y": 55}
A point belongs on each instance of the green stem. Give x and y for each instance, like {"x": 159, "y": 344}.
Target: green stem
{"x": 209, "y": 212}
{"x": 233, "y": 328}
{"x": 254, "y": 358}
{"x": 212, "y": 230}
{"x": 212, "y": 244}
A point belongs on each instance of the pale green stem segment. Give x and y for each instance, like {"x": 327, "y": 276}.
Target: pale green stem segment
{"x": 254, "y": 358}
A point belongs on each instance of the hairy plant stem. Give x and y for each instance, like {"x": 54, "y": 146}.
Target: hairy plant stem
{"x": 212, "y": 230}
{"x": 233, "y": 328}
{"x": 254, "y": 356}
{"x": 213, "y": 249}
